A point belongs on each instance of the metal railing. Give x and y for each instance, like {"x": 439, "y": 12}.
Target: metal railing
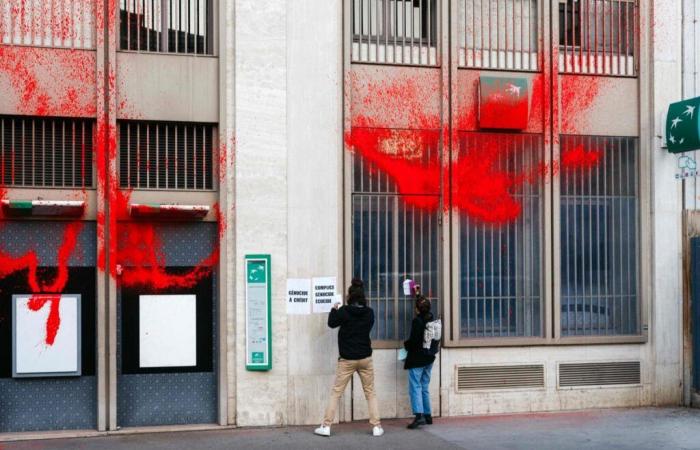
{"x": 500, "y": 264}
{"x": 161, "y": 155}
{"x": 499, "y": 34}
{"x": 174, "y": 26}
{"x": 396, "y": 31}
{"x": 48, "y": 23}
{"x": 598, "y": 37}
{"x": 46, "y": 152}
{"x": 599, "y": 239}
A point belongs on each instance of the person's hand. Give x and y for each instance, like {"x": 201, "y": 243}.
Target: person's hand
{"x": 336, "y": 306}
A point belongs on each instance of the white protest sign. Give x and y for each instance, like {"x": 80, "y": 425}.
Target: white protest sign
{"x": 298, "y": 296}
{"x": 408, "y": 286}
{"x": 323, "y": 294}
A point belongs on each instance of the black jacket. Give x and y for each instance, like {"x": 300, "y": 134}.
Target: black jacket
{"x": 355, "y": 323}
{"x": 414, "y": 344}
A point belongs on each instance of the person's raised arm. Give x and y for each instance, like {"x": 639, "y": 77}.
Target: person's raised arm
{"x": 337, "y": 316}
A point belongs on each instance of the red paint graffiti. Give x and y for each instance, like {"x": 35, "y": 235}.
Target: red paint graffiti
{"x": 34, "y": 73}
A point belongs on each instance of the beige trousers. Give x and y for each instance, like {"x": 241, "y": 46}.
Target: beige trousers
{"x": 343, "y": 373}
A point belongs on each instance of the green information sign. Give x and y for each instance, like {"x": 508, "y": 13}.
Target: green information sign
{"x": 258, "y": 299}
{"x": 682, "y": 126}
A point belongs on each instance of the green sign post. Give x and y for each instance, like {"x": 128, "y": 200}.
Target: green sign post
{"x": 683, "y": 126}
{"x": 258, "y": 299}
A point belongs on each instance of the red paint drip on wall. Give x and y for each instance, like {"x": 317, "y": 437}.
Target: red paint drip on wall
{"x": 41, "y": 287}
{"x": 37, "y": 302}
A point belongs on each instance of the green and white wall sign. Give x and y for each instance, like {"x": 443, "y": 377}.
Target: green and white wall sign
{"x": 258, "y": 298}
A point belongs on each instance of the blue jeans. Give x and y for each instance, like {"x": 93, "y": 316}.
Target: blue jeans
{"x": 418, "y": 384}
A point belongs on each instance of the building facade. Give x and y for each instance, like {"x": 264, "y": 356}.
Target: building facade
{"x": 504, "y": 154}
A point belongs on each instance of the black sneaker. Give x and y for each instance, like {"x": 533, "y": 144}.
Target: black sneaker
{"x": 418, "y": 421}
{"x": 428, "y": 419}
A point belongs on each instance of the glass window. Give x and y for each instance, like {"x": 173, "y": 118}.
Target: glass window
{"x": 187, "y": 23}
{"x": 599, "y": 238}
{"x": 395, "y": 232}
{"x": 500, "y": 261}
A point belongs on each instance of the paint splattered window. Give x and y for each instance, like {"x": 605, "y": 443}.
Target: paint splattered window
{"x": 175, "y": 26}
{"x": 396, "y": 31}
{"x": 67, "y": 24}
{"x": 497, "y": 186}
{"x": 599, "y": 238}
{"x": 166, "y": 155}
{"x": 46, "y": 152}
{"x": 598, "y": 36}
{"x": 396, "y": 222}
{"x": 499, "y": 34}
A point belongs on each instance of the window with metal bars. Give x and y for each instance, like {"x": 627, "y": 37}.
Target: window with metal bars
{"x": 598, "y": 36}
{"x": 174, "y": 26}
{"x": 46, "y": 152}
{"x": 395, "y": 31}
{"x": 48, "y": 23}
{"x": 500, "y": 264}
{"x": 394, "y": 240}
{"x": 499, "y": 34}
{"x": 599, "y": 239}
{"x": 166, "y": 155}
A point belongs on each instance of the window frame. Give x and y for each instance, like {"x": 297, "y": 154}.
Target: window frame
{"x": 551, "y": 301}
{"x": 212, "y": 23}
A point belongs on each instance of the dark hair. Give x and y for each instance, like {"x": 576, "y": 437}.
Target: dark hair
{"x": 422, "y": 305}
{"x": 356, "y": 293}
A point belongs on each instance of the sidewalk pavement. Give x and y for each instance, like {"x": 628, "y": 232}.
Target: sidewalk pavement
{"x": 644, "y": 428}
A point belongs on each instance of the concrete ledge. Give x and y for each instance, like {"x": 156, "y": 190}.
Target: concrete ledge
{"x": 66, "y": 434}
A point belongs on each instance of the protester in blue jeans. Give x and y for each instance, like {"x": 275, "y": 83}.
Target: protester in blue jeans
{"x": 419, "y": 365}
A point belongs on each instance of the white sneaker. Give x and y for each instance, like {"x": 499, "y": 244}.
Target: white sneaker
{"x": 323, "y": 431}
{"x": 376, "y": 431}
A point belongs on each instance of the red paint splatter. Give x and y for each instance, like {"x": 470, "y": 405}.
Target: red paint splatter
{"x": 579, "y": 158}
{"x": 39, "y": 286}
{"x": 53, "y": 322}
{"x": 61, "y": 82}
{"x": 478, "y": 186}
{"x": 578, "y": 95}
{"x": 503, "y": 106}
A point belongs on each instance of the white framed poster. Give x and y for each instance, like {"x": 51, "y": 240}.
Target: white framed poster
{"x": 323, "y": 294}
{"x": 298, "y": 296}
{"x": 46, "y": 335}
{"x": 167, "y": 331}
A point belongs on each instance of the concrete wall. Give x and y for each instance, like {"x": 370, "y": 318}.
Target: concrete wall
{"x": 666, "y": 316}
{"x": 261, "y": 205}
{"x": 314, "y": 195}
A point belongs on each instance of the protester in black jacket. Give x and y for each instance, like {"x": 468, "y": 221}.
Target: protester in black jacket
{"x": 355, "y": 320}
{"x": 419, "y": 364}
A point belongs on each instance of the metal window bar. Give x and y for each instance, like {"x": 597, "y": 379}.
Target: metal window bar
{"x": 174, "y": 26}
{"x": 500, "y": 264}
{"x": 598, "y": 37}
{"x": 396, "y": 31}
{"x": 599, "y": 239}
{"x": 499, "y": 34}
{"x": 45, "y": 152}
{"x": 393, "y": 240}
{"x": 166, "y": 155}
{"x": 48, "y": 23}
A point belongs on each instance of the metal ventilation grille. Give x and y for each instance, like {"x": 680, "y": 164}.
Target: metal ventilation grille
{"x": 500, "y": 377}
{"x": 45, "y": 152}
{"x": 599, "y": 374}
{"x": 160, "y": 155}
